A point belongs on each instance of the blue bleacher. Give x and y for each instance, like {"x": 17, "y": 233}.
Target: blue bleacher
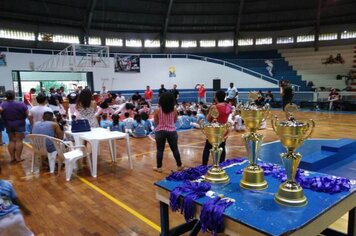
{"x": 254, "y": 60}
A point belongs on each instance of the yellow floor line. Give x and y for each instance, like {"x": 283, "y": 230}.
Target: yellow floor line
{"x": 120, "y": 204}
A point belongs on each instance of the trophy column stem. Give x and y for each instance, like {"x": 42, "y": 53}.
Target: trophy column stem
{"x": 216, "y": 153}
{"x": 291, "y": 162}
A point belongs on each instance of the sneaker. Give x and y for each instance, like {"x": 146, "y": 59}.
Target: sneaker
{"x": 180, "y": 168}
{"x": 158, "y": 169}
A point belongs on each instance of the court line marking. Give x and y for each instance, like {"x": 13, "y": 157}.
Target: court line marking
{"x": 116, "y": 201}
{"x": 121, "y": 204}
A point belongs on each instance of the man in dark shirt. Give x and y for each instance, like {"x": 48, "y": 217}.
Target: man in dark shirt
{"x": 161, "y": 90}
{"x": 175, "y": 92}
{"x": 72, "y": 100}
{"x": 286, "y": 93}
{"x": 54, "y": 100}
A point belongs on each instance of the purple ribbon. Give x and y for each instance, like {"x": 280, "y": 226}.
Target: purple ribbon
{"x": 326, "y": 183}
{"x": 211, "y": 216}
{"x": 196, "y": 172}
{"x": 193, "y": 190}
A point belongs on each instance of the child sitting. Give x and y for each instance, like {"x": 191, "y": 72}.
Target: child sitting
{"x": 138, "y": 130}
{"x": 115, "y": 123}
{"x": 148, "y": 123}
{"x": 127, "y": 123}
{"x": 186, "y": 120}
{"x": 104, "y": 122}
{"x": 238, "y": 122}
{"x": 144, "y": 108}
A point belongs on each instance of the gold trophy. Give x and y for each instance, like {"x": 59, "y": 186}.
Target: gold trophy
{"x": 253, "y": 116}
{"x": 292, "y": 134}
{"x": 215, "y": 133}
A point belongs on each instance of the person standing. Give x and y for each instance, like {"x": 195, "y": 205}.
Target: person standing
{"x": 72, "y": 100}
{"x": 286, "y": 93}
{"x": 120, "y": 99}
{"x": 27, "y": 98}
{"x": 86, "y": 108}
{"x": 165, "y": 118}
{"x": 36, "y": 112}
{"x": 232, "y": 94}
{"x": 333, "y": 97}
{"x": 201, "y": 93}
{"x": 175, "y": 93}
{"x": 148, "y": 95}
{"x": 161, "y": 90}
{"x": 224, "y": 109}
{"x": 14, "y": 115}
{"x": 54, "y": 100}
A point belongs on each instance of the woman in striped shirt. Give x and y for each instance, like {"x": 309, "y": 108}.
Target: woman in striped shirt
{"x": 165, "y": 118}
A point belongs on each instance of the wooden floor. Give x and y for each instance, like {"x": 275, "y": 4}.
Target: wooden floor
{"x": 76, "y": 208}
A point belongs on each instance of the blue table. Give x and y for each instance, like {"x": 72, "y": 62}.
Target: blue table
{"x": 256, "y": 212}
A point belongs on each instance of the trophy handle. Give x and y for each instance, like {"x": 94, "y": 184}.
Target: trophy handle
{"x": 274, "y": 121}
{"x": 267, "y": 112}
{"x": 311, "y": 126}
{"x": 201, "y": 124}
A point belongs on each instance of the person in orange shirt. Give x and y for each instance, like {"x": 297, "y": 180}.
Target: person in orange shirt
{"x": 201, "y": 93}
{"x": 27, "y": 98}
{"x": 148, "y": 95}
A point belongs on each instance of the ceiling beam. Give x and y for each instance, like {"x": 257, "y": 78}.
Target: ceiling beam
{"x": 317, "y": 25}
{"x": 238, "y": 25}
{"x": 89, "y": 19}
{"x": 165, "y": 26}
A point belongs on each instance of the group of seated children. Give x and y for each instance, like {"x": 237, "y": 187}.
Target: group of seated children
{"x": 337, "y": 60}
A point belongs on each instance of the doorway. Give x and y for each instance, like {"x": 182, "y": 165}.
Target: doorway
{"x": 23, "y": 81}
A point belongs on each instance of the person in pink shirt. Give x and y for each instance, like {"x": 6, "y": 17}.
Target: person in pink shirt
{"x": 201, "y": 93}
{"x": 165, "y": 118}
{"x": 148, "y": 95}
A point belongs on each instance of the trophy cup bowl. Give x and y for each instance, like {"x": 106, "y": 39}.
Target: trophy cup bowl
{"x": 215, "y": 133}
{"x": 292, "y": 135}
{"x": 253, "y": 177}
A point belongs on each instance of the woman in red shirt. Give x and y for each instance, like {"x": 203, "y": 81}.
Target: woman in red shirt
{"x": 224, "y": 110}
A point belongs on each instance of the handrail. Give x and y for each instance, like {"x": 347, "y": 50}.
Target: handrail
{"x": 188, "y": 56}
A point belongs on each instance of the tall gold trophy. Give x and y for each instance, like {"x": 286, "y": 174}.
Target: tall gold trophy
{"x": 215, "y": 133}
{"x": 253, "y": 116}
{"x": 292, "y": 134}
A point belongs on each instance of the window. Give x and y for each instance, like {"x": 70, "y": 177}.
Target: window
{"x": 263, "y": 41}
{"x": 172, "y": 43}
{"x": 94, "y": 41}
{"x": 58, "y": 38}
{"x": 189, "y": 43}
{"x": 133, "y": 43}
{"x": 152, "y": 43}
{"x": 245, "y": 42}
{"x": 15, "y": 34}
{"x": 226, "y": 43}
{"x": 207, "y": 43}
{"x": 329, "y": 36}
{"x": 284, "y": 40}
{"x": 305, "y": 38}
{"x": 348, "y": 34}
{"x": 114, "y": 42}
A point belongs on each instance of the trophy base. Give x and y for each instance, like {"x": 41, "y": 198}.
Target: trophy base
{"x": 216, "y": 176}
{"x": 253, "y": 178}
{"x": 290, "y": 194}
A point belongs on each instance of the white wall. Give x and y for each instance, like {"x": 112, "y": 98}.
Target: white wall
{"x": 153, "y": 72}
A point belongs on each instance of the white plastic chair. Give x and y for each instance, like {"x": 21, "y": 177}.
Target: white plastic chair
{"x": 70, "y": 154}
{"x": 38, "y": 142}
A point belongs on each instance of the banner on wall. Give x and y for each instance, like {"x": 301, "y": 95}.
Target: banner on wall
{"x": 127, "y": 63}
{"x": 2, "y": 59}
{"x": 172, "y": 72}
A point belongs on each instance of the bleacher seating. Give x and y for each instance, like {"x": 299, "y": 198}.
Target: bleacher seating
{"x": 255, "y": 60}
{"x": 309, "y": 64}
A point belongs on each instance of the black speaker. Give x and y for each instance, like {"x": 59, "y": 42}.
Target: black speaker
{"x": 216, "y": 84}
